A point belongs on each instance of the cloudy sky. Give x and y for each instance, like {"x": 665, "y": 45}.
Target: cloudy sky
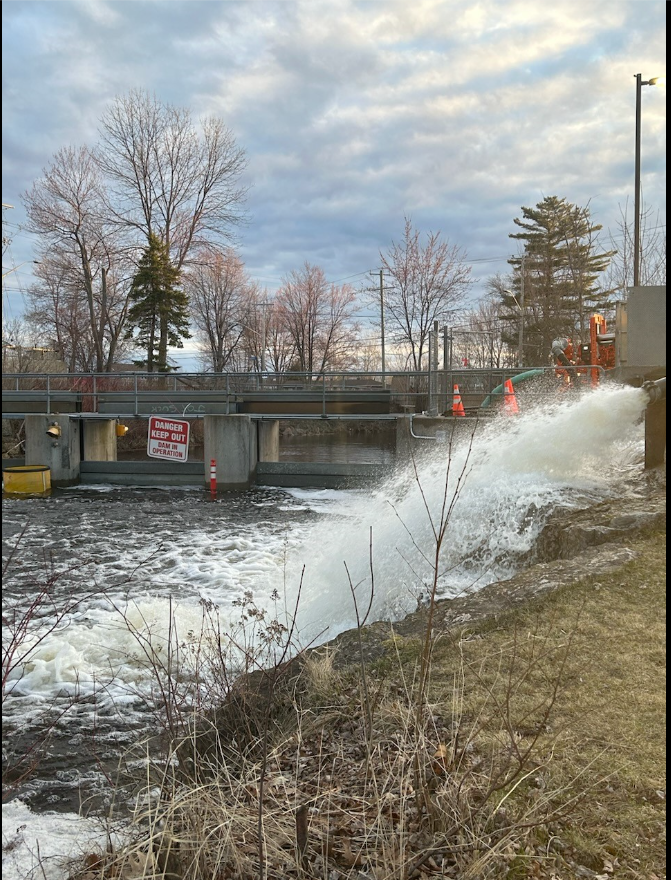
{"x": 355, "y": 114}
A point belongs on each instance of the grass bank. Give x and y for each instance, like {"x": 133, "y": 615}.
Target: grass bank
{"x": 534, "y": 747}
{"x": 603, "y": 742}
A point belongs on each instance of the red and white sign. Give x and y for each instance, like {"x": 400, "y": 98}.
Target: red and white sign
{"x": 168, "y": 438}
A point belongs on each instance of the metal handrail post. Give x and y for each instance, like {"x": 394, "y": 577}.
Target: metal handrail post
{"x": 137, "y": 407}
{"x": 48, "y": 393}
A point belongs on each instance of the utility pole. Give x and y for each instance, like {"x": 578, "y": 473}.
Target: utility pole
{"x": 381, "y": 274}
{"x": 264, "y": 306}
{"x": 447, "y": 363}
{"x": 263, "y": 334}
{"x": 382, "y": 326}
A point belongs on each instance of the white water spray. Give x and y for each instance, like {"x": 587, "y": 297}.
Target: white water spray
{"x": 496, "y": 493}
{"x": 495, "y": 489}
{"x": 516, "y": 471}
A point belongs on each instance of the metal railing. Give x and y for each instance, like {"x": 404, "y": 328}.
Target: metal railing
{"x": 194, "y": 394}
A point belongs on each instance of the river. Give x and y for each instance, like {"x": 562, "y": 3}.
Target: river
{"x": 110, "y": 581}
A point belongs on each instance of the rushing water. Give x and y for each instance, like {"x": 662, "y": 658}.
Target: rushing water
{"x": 130, "y": 574}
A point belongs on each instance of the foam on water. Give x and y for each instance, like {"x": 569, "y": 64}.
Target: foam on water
{"x": 496, "y": 491}
{"x": 151, "y": 584}
{"x": 42, "y": 845}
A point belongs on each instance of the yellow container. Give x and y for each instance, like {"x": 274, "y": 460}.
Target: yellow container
{"x": 27, "y": 479}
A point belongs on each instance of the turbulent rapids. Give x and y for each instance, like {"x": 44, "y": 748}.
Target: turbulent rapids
{"x": 495, "y": 491}
{"x": 136, "y": 574}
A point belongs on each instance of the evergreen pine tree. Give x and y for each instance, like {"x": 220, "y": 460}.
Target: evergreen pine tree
{"x": 561, "y": 271}
{"x": 159, "y": 310}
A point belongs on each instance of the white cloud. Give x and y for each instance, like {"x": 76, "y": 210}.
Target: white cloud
{"x": 356, "y": 113}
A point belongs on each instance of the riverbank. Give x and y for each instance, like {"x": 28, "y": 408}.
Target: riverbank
{"x": 526, "y": 738}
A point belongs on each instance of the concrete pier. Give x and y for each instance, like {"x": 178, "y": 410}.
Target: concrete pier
{"x": 61, "y": 454}
{"x": 231, "y": 441}
{"x": 655, "y": 434}
{"x": 100, "y": 440}
{"x": 268, "y": 440}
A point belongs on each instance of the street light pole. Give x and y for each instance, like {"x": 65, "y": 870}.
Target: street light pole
{"x": 14, "y": 268}
{"x": 637, "y": 175}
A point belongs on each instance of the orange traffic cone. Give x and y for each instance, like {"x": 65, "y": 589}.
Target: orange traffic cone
{"x": 510, "y": 406}
{"x": 457, "y": 405}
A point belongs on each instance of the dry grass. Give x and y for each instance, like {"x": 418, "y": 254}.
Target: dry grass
{"x": 607, "y": 729}
{"x": 538, "y": 752}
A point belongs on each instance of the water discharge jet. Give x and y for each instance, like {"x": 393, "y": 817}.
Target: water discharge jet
{"x": 562, "y": 454}
{"x": 162, "y": 556}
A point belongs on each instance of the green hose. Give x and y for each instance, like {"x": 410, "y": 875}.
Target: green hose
{"x": 520, "y": 377}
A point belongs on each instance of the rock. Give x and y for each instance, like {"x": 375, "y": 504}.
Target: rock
{"x": 573, "y": 545}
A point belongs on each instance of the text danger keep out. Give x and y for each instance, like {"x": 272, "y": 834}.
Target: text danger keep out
{"x": 168, "y": 431}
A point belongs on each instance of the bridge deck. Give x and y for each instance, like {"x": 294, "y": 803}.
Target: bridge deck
{"x": 126, "y": 395}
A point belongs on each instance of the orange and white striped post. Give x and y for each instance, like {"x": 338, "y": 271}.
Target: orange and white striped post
{"x": 213, "y": 477}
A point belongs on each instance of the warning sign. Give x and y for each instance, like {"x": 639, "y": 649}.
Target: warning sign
{"x": 168, "y": 438}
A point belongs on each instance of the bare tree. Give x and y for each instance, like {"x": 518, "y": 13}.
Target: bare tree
{"x": 81, "y": 259}
{"x": 167, "y": 178}
{"x": 153, "y": 174}
{"x": 280, "y": 346}
{"x": 317, "y": 316}
{"x": 477, "y": 340}
{"x": 427, "y": 283}
{"x": 220, "y": 292}
{"x": 265, "y": 344}
{"x": 620, "y": 275}
{"x": 58, "y": 312}
{"x": 18, "y": 347}
{"x": 492, "y": 311}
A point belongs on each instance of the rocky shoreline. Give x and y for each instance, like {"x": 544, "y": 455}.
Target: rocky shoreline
{"x": 572, "y": 546}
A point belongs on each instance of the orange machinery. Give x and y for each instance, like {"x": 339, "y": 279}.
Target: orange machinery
{"x": 587, "y": 360}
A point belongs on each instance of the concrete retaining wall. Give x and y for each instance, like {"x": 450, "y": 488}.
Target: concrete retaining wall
{"x": 268, "y": 473}
{"x": 317, "y": 475}
{"x": 60, "y": 454}
{"x": 143, "y": 473}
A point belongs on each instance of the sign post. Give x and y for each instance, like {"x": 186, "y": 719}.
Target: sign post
{"x": 168, "y": 438}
